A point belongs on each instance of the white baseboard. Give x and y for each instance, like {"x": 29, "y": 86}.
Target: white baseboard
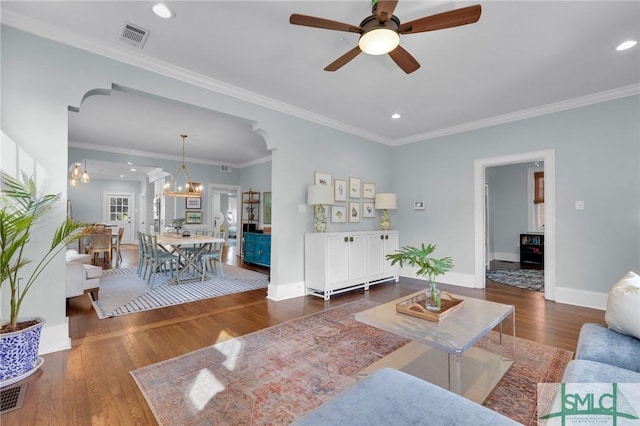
{"x": 285, "y": 291}
{"x": 54, "y": 338}
{"x": 569, "y": 296}
{"x": 587, "y": 299}
{"x": 508, "y": 257}
{"x": 454, "y": 278}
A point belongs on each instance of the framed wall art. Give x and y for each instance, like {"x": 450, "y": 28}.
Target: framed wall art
{"x": 354, "y": 211}
{"x": 322, "y": 178}
{"x": 418, "y": 205}
{"x": 354, "y": 187}
{"x": 368, "y": 190}
{"x": 266, "y": 208}
{"x": 339, "y": 190}
{"x": 193, "y": 217}
{"x": 338, "y": 214}
{"x": 368, "y": 210}
{"x": 192, "y": 203}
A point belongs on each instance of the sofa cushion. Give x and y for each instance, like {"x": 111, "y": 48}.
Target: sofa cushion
{"x": 585, "y": 371}
{"x": 623, "y": 305}
{"x": 599, "y": 343}
{"x": 391, "y": 397}
{"x": 93, "y": 271}
{"x": 74, "y": 256}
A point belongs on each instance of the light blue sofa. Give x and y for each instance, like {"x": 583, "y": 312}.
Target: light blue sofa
{"x": 391, "y": 397}
{"x": 604, "y": 356}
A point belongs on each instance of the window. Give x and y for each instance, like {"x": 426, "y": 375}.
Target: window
{"x": 538, "y": 200}
{"x": 538, "y": 188}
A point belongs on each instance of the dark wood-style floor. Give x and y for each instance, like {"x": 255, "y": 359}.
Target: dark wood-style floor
{"x": 90, "y": 384}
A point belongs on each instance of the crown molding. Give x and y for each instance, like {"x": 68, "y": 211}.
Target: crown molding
{"x": 139, "y": 153}
{"x": 568, "y": 104}
{"x": 137, "y": 58}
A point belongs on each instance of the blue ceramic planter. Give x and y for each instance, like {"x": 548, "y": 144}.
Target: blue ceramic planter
{"x": 19, "y": 350}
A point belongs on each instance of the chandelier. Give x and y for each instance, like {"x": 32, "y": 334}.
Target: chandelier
{"x": 182, "y": 188}
{"x": 76, "y": 176}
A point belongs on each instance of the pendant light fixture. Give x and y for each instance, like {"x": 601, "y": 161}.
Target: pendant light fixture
{"x": 77, "y": 176}
{"x": 181, "y": 185}
{"x": 85, "y": 176}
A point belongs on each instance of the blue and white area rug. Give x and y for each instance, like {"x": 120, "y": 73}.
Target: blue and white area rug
{"x": 123, "y": 292}
{"x": 530, "y": 279}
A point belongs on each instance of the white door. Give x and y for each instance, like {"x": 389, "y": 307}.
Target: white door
{"x": 119, "y": 211}
{"x": 217, "y": 217}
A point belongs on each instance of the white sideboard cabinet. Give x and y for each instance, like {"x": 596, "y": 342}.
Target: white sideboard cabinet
{"x": 336, "y": 262}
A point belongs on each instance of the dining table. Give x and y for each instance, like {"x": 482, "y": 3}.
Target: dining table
{"x": 177, "y": 242}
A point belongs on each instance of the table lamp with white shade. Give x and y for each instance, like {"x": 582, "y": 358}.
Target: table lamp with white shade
{"x": 385, "y": 201}
{"x": 319, "y": 196}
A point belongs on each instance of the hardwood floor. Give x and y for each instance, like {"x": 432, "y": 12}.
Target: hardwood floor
{"x": 90, "y": 384}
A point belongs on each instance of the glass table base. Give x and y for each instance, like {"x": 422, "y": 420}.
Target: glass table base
{"x": 481, "y": 370}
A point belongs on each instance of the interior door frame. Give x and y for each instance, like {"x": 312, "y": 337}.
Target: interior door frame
{"x": 480, "y": 166}
{"x": 132, "y": 212}
{"x": 218, "y": 187}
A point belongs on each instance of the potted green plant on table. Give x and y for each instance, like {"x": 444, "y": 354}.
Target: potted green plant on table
{"x": 20, "y": 210}
{"x": 428, "y": 267}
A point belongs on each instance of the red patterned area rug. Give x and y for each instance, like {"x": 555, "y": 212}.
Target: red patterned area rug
{"x": 275, "y": 375}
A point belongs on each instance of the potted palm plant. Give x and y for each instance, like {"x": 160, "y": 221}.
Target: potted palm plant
{"x": 20, "y": 210}
{"x": 428, "y": 267}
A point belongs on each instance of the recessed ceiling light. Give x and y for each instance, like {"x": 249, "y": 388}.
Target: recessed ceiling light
{"x": 133, "y": 170}
{"x": 121, "y": 176}
{"x": 163, "y": 11}
{"x": 395, "y": 116}
{"x": 626, "y": 45}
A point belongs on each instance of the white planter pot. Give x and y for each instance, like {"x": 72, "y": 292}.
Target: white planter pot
{"x": 19, "y": 352}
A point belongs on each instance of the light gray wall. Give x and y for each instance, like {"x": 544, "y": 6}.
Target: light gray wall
{"x": 597, "y": 151}
{"x": 597, "y": 160}
{"x": 509, "y": 204}
{"x": 87, "y": 199}
{"x": 35, "y": 115}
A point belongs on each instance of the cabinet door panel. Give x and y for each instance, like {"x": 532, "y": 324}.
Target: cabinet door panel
{"x": 358, "y": 258}
{"x": 376, "y": 252}
{"x": 337, "y": 260}
{"x": 391, "y": 245}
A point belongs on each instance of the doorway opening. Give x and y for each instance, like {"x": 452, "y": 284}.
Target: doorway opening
{"x": 223, "y": 200}
{"x": 547, "y": 158}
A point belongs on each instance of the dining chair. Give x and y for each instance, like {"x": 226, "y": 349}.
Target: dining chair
{"x": 158, "y": 259}
{"x": 116, "y": 248}
{"x": 100, "y": 243}
{"x": 142, "y": 254}
{"x": 212, "y": 256}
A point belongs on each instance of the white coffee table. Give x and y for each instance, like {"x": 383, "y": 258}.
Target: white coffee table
{"x": 443, "y": 352}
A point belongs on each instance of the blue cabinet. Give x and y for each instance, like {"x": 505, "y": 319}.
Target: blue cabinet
{"x": 257, "y": 248}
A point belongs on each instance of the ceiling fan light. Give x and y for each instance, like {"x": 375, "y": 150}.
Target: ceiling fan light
{"x": 379, "y": 41}
{"x": 163, "y": 11}
{"x": 626, "y": 45}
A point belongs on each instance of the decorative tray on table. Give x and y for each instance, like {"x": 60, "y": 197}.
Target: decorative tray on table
{"x": 417, "y": 307}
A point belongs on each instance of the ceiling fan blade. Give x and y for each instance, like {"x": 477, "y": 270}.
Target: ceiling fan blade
{"x": 453, "y": 18}
{"x": 404, "y": 60}
{"x": 312, "y": 21}
{"x": 384, "y": 9}
{"x": 343, "y": 60}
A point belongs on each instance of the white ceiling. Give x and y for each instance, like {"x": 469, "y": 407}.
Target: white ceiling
{"x": 522, "y": 58}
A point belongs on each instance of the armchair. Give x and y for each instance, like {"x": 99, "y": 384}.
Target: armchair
{"x": 82, "y": 278}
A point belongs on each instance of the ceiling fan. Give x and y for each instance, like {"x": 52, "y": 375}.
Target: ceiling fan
{"x": 380, "y": 32}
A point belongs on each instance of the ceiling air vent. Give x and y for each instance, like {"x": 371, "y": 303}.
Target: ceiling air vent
{"x": 225, "y": 169}
{"x": 134, "y": 35}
